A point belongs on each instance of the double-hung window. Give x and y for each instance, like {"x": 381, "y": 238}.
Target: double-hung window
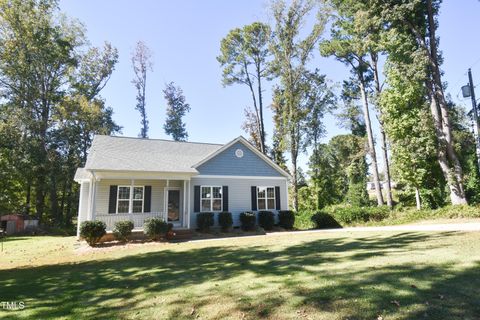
{"x": 130, "y": 199}
{"x": 211, "y": 198}
{"x": 266, "y": 198}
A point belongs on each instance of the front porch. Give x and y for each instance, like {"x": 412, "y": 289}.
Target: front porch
{"x": 138, "y": 219}
{"x": 111, "y": 198}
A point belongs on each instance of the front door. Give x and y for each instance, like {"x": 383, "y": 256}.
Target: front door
{"x": 173, "y": 205}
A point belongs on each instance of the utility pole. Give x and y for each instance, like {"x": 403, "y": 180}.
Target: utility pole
{"x": 476, "y": 127}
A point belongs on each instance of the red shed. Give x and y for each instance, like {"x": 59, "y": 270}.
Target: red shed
{"x": 16, "y": 223}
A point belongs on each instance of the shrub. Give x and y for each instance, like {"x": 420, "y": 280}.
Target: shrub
{"x": 286, "y": 219}
{"x": 351, "y": 214}
{"x": 248, "y": 220}
{"x": 205, "y": 221}
{"x": 266, "y": 219}
{"x": 155, "y": 228}
{"x": 225, "y": 220}
{"x": 122, "y": 230}
{"x": 303, "y": 220}
{"x": 92, "y": 231}
{"x": 323, "y": 220}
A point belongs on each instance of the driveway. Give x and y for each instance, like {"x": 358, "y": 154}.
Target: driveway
{"x": 466, "y": 226}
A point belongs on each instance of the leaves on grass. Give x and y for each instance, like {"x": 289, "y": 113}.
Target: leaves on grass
{"x": 396, "y": 303}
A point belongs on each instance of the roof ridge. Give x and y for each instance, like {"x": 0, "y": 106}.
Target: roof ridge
{"x": 155, "y": 139}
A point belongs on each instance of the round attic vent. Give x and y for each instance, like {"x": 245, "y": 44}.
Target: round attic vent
{"x": 239, "y": 153}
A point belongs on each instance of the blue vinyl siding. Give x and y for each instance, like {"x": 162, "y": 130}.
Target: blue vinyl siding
{"x": 227, "y": 163}
{"x": 239, "y": 195}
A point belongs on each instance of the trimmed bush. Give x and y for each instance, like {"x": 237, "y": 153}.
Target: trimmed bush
{"x": 351, "y": 214}
{"x": 225, "y": 220}
{"x": 205, "y": 221}
{"x": 266, "y": 219}
{"x": 323, "y": 220}
{"x": 93, "y": 231}
{"x": 122, "y": 230}
{"x": 155, "y": 228}
{"x": 248, "y": 220}
{"x": 286, "y": 219}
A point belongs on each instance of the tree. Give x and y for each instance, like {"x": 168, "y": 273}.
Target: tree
{"x": 50, "y": 82}
{"x": 406, "y": 120}
{"x": 291, "y": 56}
{"x": 141, "y": 63}
{"x": 244, "y": 56}
{"x": 416, "y": 23}
{"x": 348, "y": 46}
{"x": 177, "y": 108}
{"x": 250, "y": 125}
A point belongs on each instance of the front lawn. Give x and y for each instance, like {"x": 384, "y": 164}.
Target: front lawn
{"x": 344, "y": 275}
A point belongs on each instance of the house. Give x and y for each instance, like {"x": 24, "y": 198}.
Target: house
{"x": 136, "y": 179}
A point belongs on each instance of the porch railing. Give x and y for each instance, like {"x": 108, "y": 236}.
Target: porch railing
{"x": 137, "y": 218}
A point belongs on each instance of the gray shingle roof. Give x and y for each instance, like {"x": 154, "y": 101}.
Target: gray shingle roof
{"x": 136, "y": 154}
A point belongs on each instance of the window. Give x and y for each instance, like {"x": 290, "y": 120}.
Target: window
{"x": 266, "y": 198}
{"x": 210, "y": 199}
{"x": 130, "y": 199}
{"x": 137, "y": 201}
{"x": 123, "y": 200}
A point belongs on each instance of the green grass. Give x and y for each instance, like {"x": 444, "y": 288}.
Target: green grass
{"x": 283, "y": 276}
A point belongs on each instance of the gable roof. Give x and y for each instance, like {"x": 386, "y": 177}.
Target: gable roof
{"x": 247, "y": 144}
{"x": 151, "y": 155}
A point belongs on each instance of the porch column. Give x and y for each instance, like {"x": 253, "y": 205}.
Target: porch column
{"x": 92, "y": 197}
{"x": 184, "y": 207}
{"x": 130, "y": 201}
{"x": 188, "y": 204}
{"x": 81, "y": 208}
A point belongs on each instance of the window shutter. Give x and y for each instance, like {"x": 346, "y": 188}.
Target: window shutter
{"x": 225, "y": 198}
{"x": 254, "y": 198}
{"x": 196, "y": 199}
{"x": 147, "y": 204}
{"x": 112, "y": 200}
{"x": 277, "y": 198}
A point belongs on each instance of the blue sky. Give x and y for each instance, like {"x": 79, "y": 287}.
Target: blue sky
{"x": 185, "y": 38}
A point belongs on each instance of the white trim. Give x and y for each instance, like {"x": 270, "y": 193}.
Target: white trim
{"x": 211, "y": 198}
{"x": 266, "y": 198}
{"x": 239, "y": 177}
{"x": 249, "y": 146}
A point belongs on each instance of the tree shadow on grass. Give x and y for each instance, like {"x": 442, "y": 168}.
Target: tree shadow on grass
{"x": 106, "y": 288}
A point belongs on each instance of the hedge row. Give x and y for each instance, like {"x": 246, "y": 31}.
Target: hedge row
{"x": 248, "y": 220}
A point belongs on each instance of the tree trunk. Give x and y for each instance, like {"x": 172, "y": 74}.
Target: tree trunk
{"x": 294, "y": 156}
{"x": 260, "y": 106}
{"x": 457, "y": 194}
{"x": 54, "y": 200}
{"x": 371, "y": 143}
{"x": 388, "y": 184}
{"x": 28, "y": 197}
{"x": 442, "y": 155}
{"x": 383, "y": 135}
{"x": 417, "y": 199}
